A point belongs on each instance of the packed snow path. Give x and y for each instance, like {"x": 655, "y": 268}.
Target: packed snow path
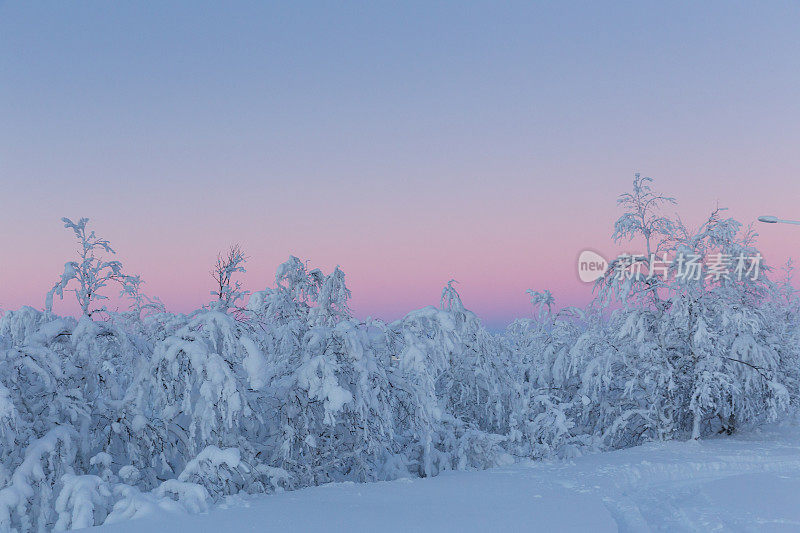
{"x": 742, "y": 483}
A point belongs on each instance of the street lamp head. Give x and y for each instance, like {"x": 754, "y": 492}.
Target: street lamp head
{"x": 769, "y": 219}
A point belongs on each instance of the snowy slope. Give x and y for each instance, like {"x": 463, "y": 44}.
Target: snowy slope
{"x": 749, "y": 482}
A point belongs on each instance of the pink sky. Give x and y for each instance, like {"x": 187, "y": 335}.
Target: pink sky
{"x": 393, "y": 263}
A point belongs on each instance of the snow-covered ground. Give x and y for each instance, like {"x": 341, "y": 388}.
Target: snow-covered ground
{"x": 748, "y": 482}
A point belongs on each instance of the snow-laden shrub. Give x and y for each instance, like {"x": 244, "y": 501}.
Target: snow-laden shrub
{"x": 192, "y": 497}
{"x": 220, "y": 472}
{"x": 27, "y": 503}
{"x": 334, "y": 414}
{"x": 196, "y": 388}
{"x": 458, "y": 392}
{"x": 170, "y": 496}
{"x": 17, "y": 327}
{"x": 83, "y": 501}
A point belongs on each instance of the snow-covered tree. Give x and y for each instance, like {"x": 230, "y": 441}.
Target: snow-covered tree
{"x": 90, "y": 273}
{"x": 140, "y": 303}
{"x": 228, "y": 291}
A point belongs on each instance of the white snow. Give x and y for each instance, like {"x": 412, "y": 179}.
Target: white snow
{"x": 748, "y": 482}
{"x": 254, "y": 363}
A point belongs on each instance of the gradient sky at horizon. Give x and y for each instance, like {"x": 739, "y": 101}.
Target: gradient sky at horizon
{"x": 409, "y": 143}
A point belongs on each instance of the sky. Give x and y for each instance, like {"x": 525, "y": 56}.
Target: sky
{"x": 410, "y": 143}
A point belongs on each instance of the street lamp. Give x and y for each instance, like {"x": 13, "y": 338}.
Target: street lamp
{"x": 769, "y": 219}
